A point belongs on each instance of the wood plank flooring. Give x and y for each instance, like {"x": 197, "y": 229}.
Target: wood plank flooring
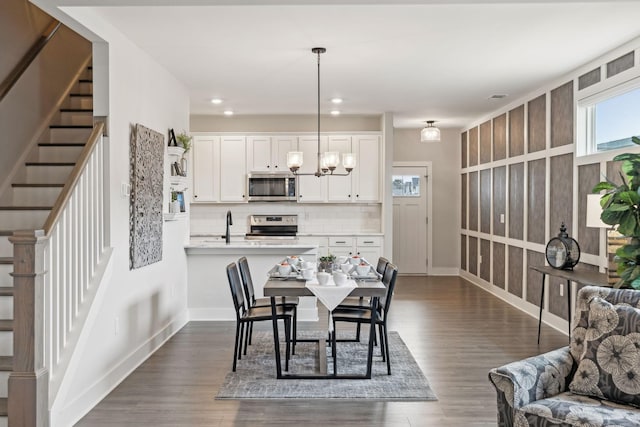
{"x": 455, "y": 330}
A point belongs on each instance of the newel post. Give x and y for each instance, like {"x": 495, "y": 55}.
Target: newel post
{"x": 28, "y": 403}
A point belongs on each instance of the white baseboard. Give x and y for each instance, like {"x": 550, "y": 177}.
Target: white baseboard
{"x": 445, "y": 271}
{"x": 87, "y": 399}
{"x": 229, "y": 315}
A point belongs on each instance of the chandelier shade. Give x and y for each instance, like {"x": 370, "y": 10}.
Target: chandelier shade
{"x": 430, "y": 133}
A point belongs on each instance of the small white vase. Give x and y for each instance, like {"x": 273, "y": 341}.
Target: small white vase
{"x": 174, "y": 207}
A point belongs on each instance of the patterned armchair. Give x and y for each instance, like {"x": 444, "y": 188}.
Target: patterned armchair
{"x": 593, "y": 382}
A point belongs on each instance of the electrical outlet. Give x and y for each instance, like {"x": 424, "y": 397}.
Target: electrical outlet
{"x": 501, "y": 218}
{"x": 561, "y": 290}
{"x": 116, "y": 326}
{"x": 125, "y": 190}
{"x": 480, "y": 259}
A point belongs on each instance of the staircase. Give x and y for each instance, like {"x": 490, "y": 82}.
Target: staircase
{"x": 31, "y": 196}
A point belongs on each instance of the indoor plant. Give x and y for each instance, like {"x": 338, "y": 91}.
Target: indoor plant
{"x": 184, "y": 139}
{"x": 621, "y": 209}
{"x": 326, "y": 262}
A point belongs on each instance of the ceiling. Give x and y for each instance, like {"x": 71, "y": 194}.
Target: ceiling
{"x": 419, "y": 60}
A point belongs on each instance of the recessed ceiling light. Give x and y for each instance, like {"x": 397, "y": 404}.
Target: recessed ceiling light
{"x": 228, "y": 112}
{"x": 216, "y": 101}
{"x": 336, "y": 100}
{"x": 335, "y": 112}
{"x": 498, "y": 96}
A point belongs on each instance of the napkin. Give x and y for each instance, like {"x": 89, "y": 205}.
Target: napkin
{"x": 331, "y": 295}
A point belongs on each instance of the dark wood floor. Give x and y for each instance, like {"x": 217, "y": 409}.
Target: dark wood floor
{"x": 456, "y": 332}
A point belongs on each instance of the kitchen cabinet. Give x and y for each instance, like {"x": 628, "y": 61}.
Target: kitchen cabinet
{"x": 205, "y": 161}
{"x": 367, "y": 247}
{"x": 311, "y": 188}
{"x": 363, "y": 184}
{"x": 233, "y": 168}
{"x": 269, "y": 153}
{"x": 339, "y": 187}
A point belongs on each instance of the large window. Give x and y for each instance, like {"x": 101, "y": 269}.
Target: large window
{"x": 608, "y": 120}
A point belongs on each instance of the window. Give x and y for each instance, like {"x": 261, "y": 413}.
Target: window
{"x": 406, "y": 186}
{"x": 608, "y": 120}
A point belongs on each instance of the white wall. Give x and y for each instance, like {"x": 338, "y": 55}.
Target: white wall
{"x": 445, "y": 158}
{"x": 137, "y": 310}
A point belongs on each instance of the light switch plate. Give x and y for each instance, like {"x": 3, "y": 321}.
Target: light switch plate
{"x": 502, "y": 218}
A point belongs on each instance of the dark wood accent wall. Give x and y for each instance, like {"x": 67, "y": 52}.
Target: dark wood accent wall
{"x": 589, "y": 79}
{"x": 500, "y": 137}
{"x": 463, "y": 252}
{"x": 562, "y": 115}
{"x": 516, "y": 264}
{"x": 536, "y": 202}
{"x": 498, "y": 264}
{"x": 463, "y": 149}
{"x": 485, "y": 200}
{"x": 516, "y": 131}
{"x": 589, "y": 238}
{"x": 561, "y": 193}
{"x": 485, "y": 142}
{"x": 473, "y": 201}
{"x": 534, "y": 279}
{"x": 620, "y": 64}
{"x": 473, "y": 146}
{"x": 516, "y": 201}
{"x": 613, "y": 172}
{"x": 463, "y": 202}
{"x": 499, "y": 199}
{"x": 537, "y": 124}
{"x": 485, "y": 264}
{"x": 473, "y": 255}
{"x": 557, "y": 302}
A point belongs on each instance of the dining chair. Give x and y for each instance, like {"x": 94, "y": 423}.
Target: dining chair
{"x": 363, "y": 315}
{"x": 252, "y": 301}
{"x": 247, "y": 315}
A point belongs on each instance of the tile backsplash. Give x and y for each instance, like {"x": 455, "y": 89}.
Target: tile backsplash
{"x": 210, "y": 219}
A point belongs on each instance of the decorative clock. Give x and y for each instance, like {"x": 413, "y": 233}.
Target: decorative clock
{"x": 563, "y": 252}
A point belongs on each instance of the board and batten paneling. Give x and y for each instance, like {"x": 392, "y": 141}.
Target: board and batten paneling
{"x": 534, "y": 278}
{"x": 473, "y": 255}
{"x": 588, "y": 237}
{"x": 537, "y": 120}
{"x": 473, "y": 146}
{"x": 536, "y": 202}
{"x": 516, "y": 131}
{"x": 620, "y": 64}
{"x": 562, "y": 115}
{"x": 561, "y": 193}
{"x": 463, "y": 201}
{"x": 516, "y": 201}
{"x": 498, "y": 264}
{"x": 557, "y": 303}
{"x": 500, "y": 137}
{"x": 463, "y": 150}
{"x": 485, "y": 200}
{"x": 499, "y": 199}
{"x": 589, "y": 79}
{"x": 463, "y": 252}
{"x": 515, "y": 270}
{"x": 485, "y": 142}
{"x": 473, "y": 201}
{"x": 485, "y": 260}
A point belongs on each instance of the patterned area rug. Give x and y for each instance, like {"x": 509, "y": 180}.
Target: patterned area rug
{"x": 255, "y": 374}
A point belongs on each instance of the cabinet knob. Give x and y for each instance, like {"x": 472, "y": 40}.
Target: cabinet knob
{"x": 195, "y": 196}
{"x": 349, "y": 196}
{"x": 276, "y": 166}
{"x": 268, "y": 166}
{"x": 357, "y": 195}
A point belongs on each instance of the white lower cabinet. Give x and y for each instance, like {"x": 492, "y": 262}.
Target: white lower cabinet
{"x": 367, "y": 247}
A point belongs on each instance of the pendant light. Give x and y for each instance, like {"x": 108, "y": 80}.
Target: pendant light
{"x": 430, "y": 133}
{"x": 328, "y": 161}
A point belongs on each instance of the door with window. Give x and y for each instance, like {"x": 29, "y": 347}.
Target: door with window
{"x": 409, "y": 190}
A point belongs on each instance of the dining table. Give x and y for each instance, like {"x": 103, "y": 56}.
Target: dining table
{"x": 275, "y": 288}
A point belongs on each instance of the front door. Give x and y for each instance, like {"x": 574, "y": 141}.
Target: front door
{"x": 409, "y": 189}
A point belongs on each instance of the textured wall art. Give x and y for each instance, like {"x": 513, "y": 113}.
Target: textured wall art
{"x": 145, "y": 206}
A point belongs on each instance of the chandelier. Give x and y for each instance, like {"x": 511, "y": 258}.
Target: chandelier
{"x": 328, "y": 161}
{"x": 430, "y": 133}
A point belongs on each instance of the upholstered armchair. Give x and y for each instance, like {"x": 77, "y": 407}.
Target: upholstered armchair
{"x": 595, "y": 381}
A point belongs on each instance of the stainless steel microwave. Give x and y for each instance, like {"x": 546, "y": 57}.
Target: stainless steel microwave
{"x": 272, "y": 187}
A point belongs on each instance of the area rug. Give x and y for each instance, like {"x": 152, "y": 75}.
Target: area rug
{"x": 255, "y": 376}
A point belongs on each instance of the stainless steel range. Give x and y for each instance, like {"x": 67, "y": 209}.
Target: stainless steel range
{"x": 269, "y": 227}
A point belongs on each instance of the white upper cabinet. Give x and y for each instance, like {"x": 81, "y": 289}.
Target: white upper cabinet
{"x": 311, "y": 188}
{"x": 269, "y": 153}
{"x": 366, "y": 175}
{"x": 340, "y": 186}
{"x": 206, "y": 158}
{"x": 233, "y": 168}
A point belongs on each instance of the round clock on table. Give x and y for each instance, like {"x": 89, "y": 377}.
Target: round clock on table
{"x": 562, "y": 252}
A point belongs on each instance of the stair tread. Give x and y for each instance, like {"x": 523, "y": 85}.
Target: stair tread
{"x": 6, "y": 363}
{"x": 3, "y": 406}
{"x": 25, "y": 208}
{"x": 6, "y": 291}
{"x": 86, "y": 95}
{"x": 86, "y": 80}
{"x": 76, "y": 110}
{"x": 6, "y": 260}
{"x": 61, "y": 144}
{"x": 42, "y": 185}
{"x": 50, "y": 164}
{"x": 6, "y": 324}
{"x": 71, "y": 127}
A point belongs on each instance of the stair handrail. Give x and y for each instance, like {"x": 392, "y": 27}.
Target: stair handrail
{"x": 74, "y": 176}
{"x": 28, "y": 58}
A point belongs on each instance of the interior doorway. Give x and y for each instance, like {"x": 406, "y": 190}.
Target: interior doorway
{"x": 411, "y": 237}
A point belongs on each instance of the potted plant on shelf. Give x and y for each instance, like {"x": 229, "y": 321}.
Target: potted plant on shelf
{"x": 621, "y": 210}
{"x": 326, "y": 262}
{"x": 184, "y": 139}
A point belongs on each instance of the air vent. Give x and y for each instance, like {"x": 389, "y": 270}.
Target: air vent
{"x": 498, "y": 96}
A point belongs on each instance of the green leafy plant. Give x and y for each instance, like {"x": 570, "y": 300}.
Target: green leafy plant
{"x": 328, "y": 258}
{"x": 621, "y": 209}
{"x": 185, "y": 140}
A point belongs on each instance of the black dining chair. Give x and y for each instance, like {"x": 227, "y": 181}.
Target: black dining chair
{"x": 363, "y": 315}
{"x": 247, "y": 315}
{"x": 252, "y": 301}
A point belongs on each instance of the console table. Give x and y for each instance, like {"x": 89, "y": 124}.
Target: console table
{"x": 583, "y": 277}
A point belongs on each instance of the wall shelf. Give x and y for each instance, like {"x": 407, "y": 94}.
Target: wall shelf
{"x": 174, "y": 216}
{"x": 175, "y": 151}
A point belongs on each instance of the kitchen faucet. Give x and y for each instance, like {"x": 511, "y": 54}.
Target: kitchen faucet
{"x": 227, "y": 237}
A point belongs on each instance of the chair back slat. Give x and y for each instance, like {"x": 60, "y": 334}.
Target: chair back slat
{"x": 236, "y": 289}
{"x": 389, "y": 281}
{"x": 382, "y": 265}
{"x": 247, "y": 282}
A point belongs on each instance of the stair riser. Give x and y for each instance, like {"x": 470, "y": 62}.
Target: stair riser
{"x": 35, "y": 196}
{"x": 5, "y": 278}
{"x": 23, "y": 220}
{"x": 80, "y": 102}
{"x": 58, "y": 154}
{"x": 48, "y": 174}
{"x": 75, "y": 118}
{"x": 6, "y": 248}
{"x": 67, "y": 135}
{"x": 84, "y": 87}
